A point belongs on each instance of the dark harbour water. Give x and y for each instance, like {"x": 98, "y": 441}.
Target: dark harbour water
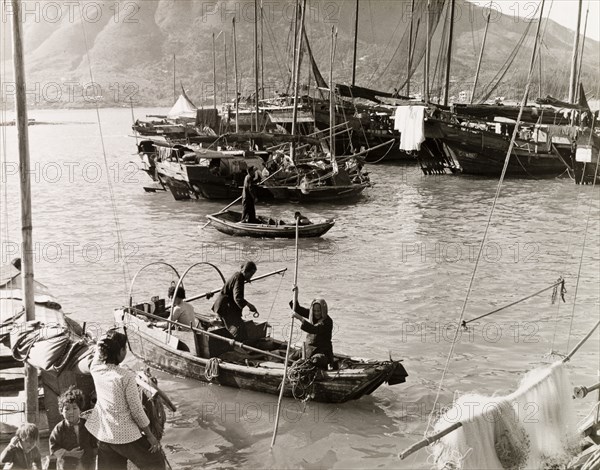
{"x": 394, "y": 270}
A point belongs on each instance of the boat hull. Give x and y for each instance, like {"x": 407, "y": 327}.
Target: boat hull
{"x": 228, "y": 223}
{"x": 483, "y": 153}
{"x": 152, "y": 346}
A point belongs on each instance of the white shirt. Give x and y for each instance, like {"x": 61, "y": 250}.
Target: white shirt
{"x": 184, "y": 314}
{"x": 118, "y": 414}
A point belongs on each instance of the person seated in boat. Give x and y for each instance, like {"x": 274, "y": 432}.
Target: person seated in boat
{"x": 249, "y": 197}
{"x": 231, "y": 301}
{"x": 264, "y": 174}
{"x": 318, "y": 325}
{"x": 302, "y": 219}
{"x": 182, "y": 311}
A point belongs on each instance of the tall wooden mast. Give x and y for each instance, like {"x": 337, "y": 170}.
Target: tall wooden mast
{"x": 31, "y": 380}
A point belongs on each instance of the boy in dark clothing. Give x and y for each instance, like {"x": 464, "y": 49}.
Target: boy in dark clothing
{"x": 22, "y": 451}
{"x": 70, "y": 441}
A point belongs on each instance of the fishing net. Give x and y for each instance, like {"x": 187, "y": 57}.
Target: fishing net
{"x": 534, "y": 427}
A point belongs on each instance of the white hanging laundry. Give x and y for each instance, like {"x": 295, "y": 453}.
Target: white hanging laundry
{"x": 409, "y": 121}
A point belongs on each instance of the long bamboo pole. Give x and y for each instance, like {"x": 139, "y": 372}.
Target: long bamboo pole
{"x": 31, "y": 380}
{"x": 254, "y": 279}
{"x": 581, "y": 343}
{"x": 287, "y": 352}
{"x": 428, "y": 440}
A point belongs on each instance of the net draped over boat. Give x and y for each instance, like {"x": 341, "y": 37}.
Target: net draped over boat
{"x": 534, "y": 427}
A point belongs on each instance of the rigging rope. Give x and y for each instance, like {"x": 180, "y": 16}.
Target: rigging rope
{"x": 563, "y": 291}
{"x": 587, "y": 223}
{"x": 276, "y": 294}
{"x": 120, "y": 242}
{"x": 487, "y": 227}
{"x": 495, "y": 81}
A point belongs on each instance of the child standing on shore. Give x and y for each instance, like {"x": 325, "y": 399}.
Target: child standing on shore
{"x": 22, "y": 451}
{"x": 70, "y": 441}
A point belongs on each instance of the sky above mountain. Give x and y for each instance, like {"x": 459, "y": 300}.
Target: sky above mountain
{"x": 564, "y": 12}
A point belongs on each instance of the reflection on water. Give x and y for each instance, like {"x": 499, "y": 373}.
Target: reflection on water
{"x": 394, "y": 270}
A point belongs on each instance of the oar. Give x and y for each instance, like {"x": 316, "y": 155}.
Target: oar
{"x": 287, "y": 351}
{"x": 215, "y": 291}
{"x": 207, "y": 333}
{"x": 237, "y": 200}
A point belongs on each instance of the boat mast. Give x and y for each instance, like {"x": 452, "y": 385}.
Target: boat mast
{"x": 31, "y": 380}
{"x": 237, "y": 88}
{"x": 174, "y": 80}
{"x": 214, "y": 51}
{"x": 426, "y": 62}
{"x": 449, "y": 54}
{"x": 487, "y": 23}
{"x": 262, "y": 53}
{"x": 332, "y": 96}
{"x": 573, "y": 79}
{"x": 226, "y": 100}
{"x": 297, "y": 79}
{"x": 409, "y": 58}
{"x": 256, "y": 63}
{"x": 355, "y": 45}
{"x": 587, "y": 12}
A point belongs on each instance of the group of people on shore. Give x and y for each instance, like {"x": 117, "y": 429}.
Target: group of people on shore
{"x": 116, "y": 430}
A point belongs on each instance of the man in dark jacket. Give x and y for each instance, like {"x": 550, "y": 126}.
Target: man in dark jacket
{"x": 319, "y": 328}
{"x": 230, "y": 301}
{"x": 249, "y": 197}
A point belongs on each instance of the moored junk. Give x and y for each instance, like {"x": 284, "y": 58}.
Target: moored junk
{"x": 474, "y": 139}
{"x": 193, "y": 171}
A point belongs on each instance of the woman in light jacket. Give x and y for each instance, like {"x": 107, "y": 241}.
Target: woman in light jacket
{"x": 118, "y": 419}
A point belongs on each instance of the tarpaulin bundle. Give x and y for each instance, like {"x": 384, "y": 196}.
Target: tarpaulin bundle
{"x": 534, "y": 427}
{"x": 50, "y": 347}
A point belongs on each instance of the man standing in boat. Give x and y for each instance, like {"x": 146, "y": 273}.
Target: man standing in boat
{"x": 249, "y": 197}
{"x": 230, "y": 301}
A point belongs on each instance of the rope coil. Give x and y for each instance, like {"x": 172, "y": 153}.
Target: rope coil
{"x": 212, "y": 369}
{"x": 302, "y": 375}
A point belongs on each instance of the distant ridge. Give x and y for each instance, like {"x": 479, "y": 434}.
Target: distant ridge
{"x": 131, "y": 46}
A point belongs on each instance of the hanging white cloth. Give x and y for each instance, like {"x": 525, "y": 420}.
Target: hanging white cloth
{"x": 409, "y": 121}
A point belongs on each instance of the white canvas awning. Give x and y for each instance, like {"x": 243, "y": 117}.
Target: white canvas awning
{"x": 183, "y": 108}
